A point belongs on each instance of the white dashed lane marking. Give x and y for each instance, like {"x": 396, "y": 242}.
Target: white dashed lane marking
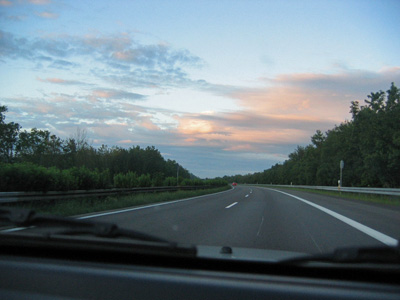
{"x": 229, "y": 206}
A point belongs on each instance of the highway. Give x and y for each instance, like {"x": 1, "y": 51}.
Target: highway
{"x": 256, "y": 217}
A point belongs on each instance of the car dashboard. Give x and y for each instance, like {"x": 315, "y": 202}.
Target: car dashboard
{"x": 35, "y": 272}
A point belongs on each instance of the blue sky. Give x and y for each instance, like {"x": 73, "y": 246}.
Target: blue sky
{"x": 223, "y": 87}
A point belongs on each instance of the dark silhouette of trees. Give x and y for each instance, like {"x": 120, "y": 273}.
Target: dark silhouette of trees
{"x": 37, "y": 160}
{"x": 8, "y": 137}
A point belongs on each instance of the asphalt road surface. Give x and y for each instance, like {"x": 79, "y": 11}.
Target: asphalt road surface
{"x": 257, "y": 217}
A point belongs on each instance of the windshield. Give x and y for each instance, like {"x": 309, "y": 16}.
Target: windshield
{"x": 268, "y": 125}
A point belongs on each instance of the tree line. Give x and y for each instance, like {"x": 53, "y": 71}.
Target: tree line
{"x": 37, "y": 160}
{"x": 369, "y": 145}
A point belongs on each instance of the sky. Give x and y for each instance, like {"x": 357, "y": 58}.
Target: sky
{"x": 222, "y": 87}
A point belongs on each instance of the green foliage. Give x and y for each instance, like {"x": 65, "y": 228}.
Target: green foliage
{"x": 31, "y": 177}
{"x": 85, "y": 178}
{"x": 369, "y": 145}
{"x": 215, "y": 182}
{"x": 28, "y": 177}
{"x": 24, "y": 177}
{"x": 129, "y": 180}
{"x": 158, "y": 179}
{"x": 144, "y": 180}
{"x": 170, "y": 181}
{"x": 186, "y": 182}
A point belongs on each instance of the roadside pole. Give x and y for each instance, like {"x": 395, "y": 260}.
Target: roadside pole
{"x": 341, "y": 173}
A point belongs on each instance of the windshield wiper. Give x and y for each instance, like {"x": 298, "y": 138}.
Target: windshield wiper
{"x": 379, "y": 255}
{"x": 70, "y": 226}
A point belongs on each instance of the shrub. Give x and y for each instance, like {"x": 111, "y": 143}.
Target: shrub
{"x": 186, "y": 182}
{"x": 128, "y": 180}
{"x": 85, "y": 178}
{"x": 26, "y": 177}
{"x": 144, "y": 180}
{"x": 158, "y": 179}
{"x": 170, "y": 181}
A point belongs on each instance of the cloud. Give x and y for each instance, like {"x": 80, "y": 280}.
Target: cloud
{"x": 245, "y": 131}
{"x": 350, "y": 81}
{"x": 152, "y": 56}
{"x": 123, "y": 51}
{"x": 60, "y": 81}
{"x": 274, "y": 119}
{"x": 61, "y": 47}
{"x": 117, "y": 59}
{"x": 47, "y": 15}
{"x": 8, "y": 3}
{"x": 267, "y": 122}
{"x": 15, "y": 18}
{"x": 107, "y": 121}
{"x": 325, "y": 96}
{"x": 268, "y": 125}
{"x": 5, "y": 3}
{"x": 270, "y": 120}
{"x": 147, "y": 78}
{"x": 12, "y": 47}
{"x": 39, "y": 2}
{"x": 116, "y": 94}
{"x": 62, "y": 64}
{"x": 195, "y": 126}
{"x": 148, "y": 123}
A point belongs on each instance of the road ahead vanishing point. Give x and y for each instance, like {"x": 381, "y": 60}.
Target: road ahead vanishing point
{"x": 256, "y": 217}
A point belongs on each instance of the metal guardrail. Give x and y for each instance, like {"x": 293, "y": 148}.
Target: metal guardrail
{"x": 364, "y": 190}
{"x": 11, "y": 197}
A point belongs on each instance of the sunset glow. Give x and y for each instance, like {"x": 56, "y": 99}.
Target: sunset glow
{"x": 222, "y": 87}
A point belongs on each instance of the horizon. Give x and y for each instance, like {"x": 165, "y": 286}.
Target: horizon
{"x": 223, "y": 88}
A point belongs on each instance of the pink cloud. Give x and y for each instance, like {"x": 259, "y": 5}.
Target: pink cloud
{"x": 115, "y": 94}
{"x": 56, "y": 80}
{"x": 102, "y": 94}
{"x": 5, "y": 3}
{"x": 242, "y": 132}
{"x": 297, "y": 101}
{"x": 311, "y": 95}
{"x": 148, "y": 124}
{"x": 47, "y": 15}
{"x": 123, "y": 55}
{"x": 125, "y": 142}
{"x": 288, "y": 110}
{"x": 270, "y": 120}
{"x": 39, "y": 2}
{"x": 195, "y": 126}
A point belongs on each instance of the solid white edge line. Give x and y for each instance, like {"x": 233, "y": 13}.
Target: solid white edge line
{"x": 126, "y": 210}
{"x": 365, "y": 229}
{"x": 229, "y": 206}
{"x": 147, "y": 206}
{"x": 14, "y": 229}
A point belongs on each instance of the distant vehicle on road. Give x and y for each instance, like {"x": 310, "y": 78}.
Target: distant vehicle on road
{"x": 234, "y": 184}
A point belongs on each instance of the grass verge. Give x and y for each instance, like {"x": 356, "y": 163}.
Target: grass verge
{"x": 78, "y": 206}
{"x": 375, "y": 198}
